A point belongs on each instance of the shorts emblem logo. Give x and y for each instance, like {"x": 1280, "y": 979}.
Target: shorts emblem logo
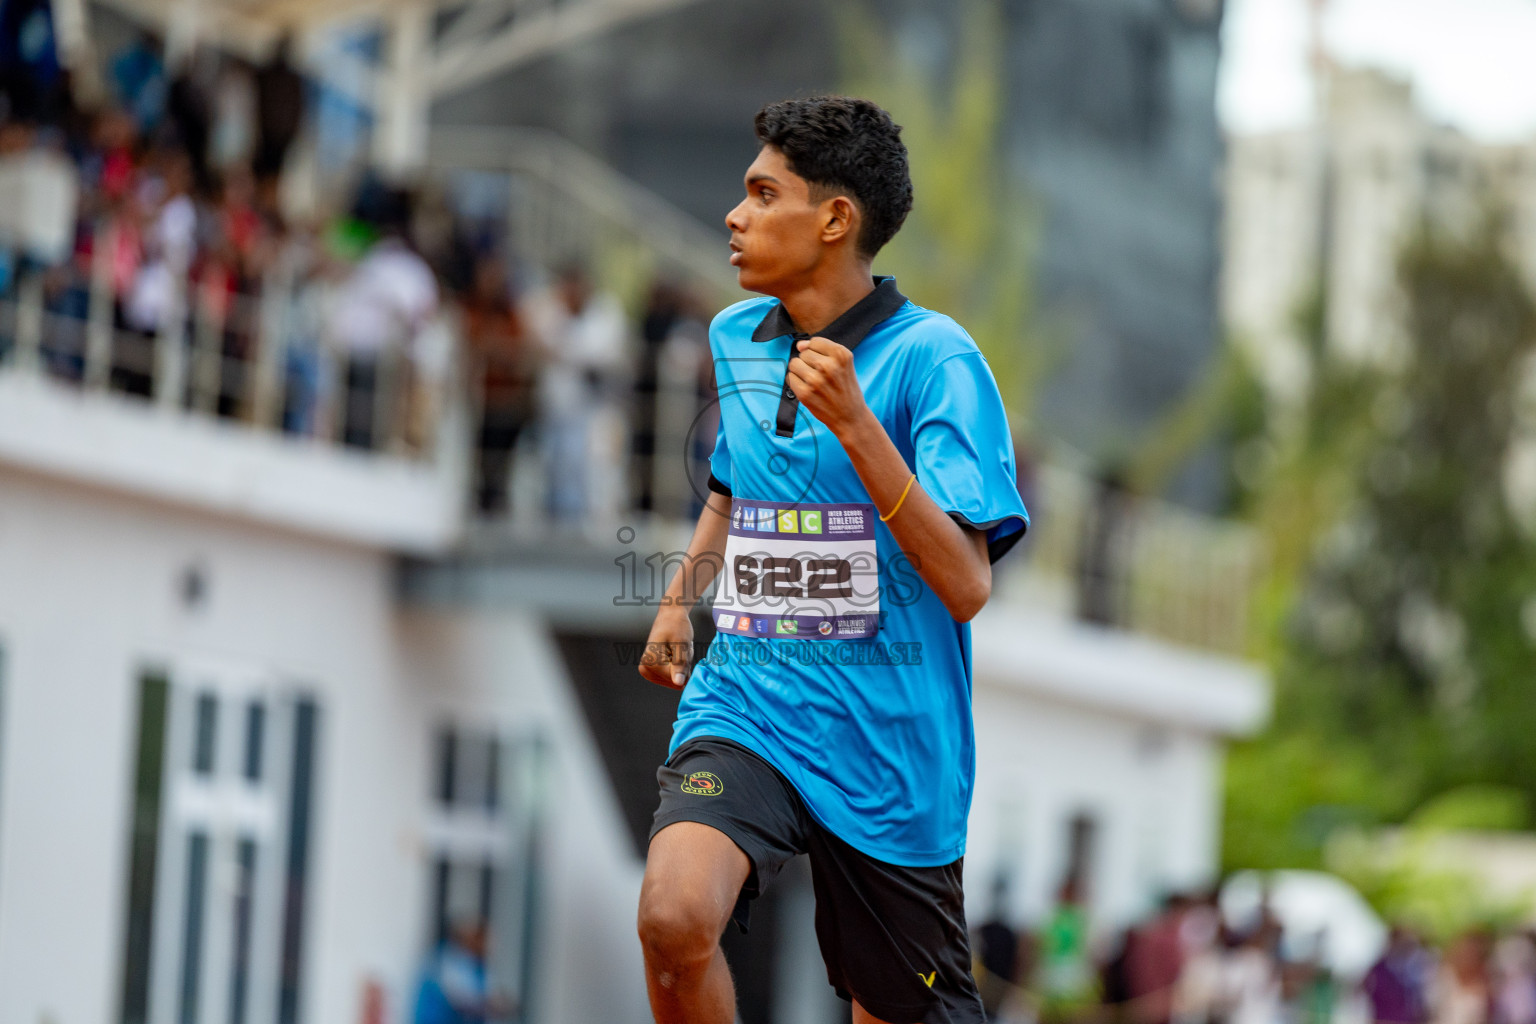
{"x": 703, "y": 784}
{"x": 927, "y": 978}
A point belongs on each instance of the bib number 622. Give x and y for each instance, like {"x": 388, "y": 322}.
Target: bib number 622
{"x": 781, "y": 577}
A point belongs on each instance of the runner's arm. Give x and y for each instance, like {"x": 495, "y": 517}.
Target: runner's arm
{"x": 669, "y": 648}
{"x": 951, "y": 558}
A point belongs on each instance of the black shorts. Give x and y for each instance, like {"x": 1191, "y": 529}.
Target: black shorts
{"x": 893, "y": 937}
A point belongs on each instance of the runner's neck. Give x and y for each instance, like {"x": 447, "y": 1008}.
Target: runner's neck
{"x": 821, "y": 303}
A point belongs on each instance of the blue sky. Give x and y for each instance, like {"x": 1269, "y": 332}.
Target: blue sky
{"x": 1472, "y": 62}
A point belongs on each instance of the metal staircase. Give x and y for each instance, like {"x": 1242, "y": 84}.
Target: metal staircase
{"x": 564, "y": 202}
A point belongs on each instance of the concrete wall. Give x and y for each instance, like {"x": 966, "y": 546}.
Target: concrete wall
{"x": 93, "y": 597}
{"x": 588, "y": 960}
{"x": 228, "y": 468}
{"x": 1153, "y": 790}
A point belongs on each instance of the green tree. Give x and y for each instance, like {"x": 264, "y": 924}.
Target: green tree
{"x": 1403, "y": 664}
{"x": 1415, "y": 876}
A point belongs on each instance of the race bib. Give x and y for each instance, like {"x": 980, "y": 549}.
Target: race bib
{"x": 807, "y": 572}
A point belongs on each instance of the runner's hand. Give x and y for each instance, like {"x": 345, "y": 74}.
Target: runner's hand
{"x": 822, "y": 378}
{"x": 668, "y": 651}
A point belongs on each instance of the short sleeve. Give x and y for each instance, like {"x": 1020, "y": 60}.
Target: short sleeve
{"x": 720, "y": 463}
{"x": 964, "y": 452}
{"x": 720, "y": 458}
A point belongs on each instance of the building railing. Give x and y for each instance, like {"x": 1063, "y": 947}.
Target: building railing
{"x": 1102, "y": 555}
{"x": 240, "y": 356}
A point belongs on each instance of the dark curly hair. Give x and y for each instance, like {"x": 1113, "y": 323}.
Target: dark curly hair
{"x": 845, "y": 146}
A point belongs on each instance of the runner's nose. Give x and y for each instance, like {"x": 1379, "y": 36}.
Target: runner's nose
{"x": 734, "y": 220}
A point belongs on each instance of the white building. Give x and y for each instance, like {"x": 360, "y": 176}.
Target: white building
{"x": 1331, "y": 206}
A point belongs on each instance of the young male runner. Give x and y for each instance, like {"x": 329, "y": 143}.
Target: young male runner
{"x": 831, "y": 718}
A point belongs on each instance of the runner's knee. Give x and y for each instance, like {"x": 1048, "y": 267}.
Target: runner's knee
{"x": 675, "y": 929}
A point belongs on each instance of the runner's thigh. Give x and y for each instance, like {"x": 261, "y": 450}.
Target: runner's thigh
{"x": 693, "y": 868}
{"x": 720, "y": 784}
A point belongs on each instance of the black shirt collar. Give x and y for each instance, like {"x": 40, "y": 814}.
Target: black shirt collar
{"x": 847, "y": 330}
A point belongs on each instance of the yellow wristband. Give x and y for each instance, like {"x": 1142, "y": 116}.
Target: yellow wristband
{"x": 900, "y": 501}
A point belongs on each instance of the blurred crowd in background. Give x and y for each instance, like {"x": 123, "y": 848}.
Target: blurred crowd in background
{"x": 1195, "y": 962}
{"x": 163, "y": 210}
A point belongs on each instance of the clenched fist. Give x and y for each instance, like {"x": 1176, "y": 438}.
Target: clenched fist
{"x": 822, "y": 378}
{"x": 668, "y": 653}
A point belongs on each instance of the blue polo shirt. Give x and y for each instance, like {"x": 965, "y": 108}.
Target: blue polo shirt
{"x": 875, "y": 734}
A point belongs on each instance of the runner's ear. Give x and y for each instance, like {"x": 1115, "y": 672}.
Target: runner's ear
{"x": 840, "y": 220}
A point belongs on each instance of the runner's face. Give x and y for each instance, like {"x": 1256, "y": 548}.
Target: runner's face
{"x": 776, "y": 230}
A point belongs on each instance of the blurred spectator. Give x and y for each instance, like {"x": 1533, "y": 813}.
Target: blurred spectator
{"x": 383, "y": 305}
{"x": 663, "y": 308}
{"x": 32, "y": 83}
{"x": 110, "y": 163}
{"x": 442, "y": 240}
{"x": 300, "y": 275}
{"x": 494, "y": 337}
{"x": 454, "y": 986}
{"x": 1114, "y": 980}
{"x": 189, "y": 108}
{"x": 1514, "y": 996}
{"x": 279, "y": 113}
{"x": 1154, "y": 962}
{"x": 1066, "y": 970}
{"x": 1251, "y": 987}
{"x": 1315, "y": 990}
{"x": 233, "y": 140}
{"x": 581, "y": 337}
{"x": 1197, "y": 995}
{"x": 671, "y": 384}
{"x": 164, "y": 204}
{"x": 243, "y": 226}
{"x": 999, "y": 954}
{"x": 234, "y": 253}
{"x": 39, "y": 196}
{"x": 1395, "y": 983}
{"x": 155, "y": 243}
{"x": 1101, "y": 584}
{"x": 138, "y": 80}
{"x": 1460, "y": 993}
